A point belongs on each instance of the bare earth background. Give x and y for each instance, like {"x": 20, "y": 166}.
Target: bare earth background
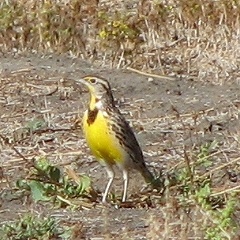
{"x": 185, "y": 113}
{"x": 162, "y": 112}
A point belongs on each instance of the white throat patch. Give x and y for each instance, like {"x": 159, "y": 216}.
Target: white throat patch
{"x": 99, "y": 105}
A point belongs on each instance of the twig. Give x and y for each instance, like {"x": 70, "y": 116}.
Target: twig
{"x": 150, "y": 74}
{"x": 233, "y": 189}
{"x": 220, "y": 167}
{"x": 22, "y": 70}
{"x": 18, "y": 153}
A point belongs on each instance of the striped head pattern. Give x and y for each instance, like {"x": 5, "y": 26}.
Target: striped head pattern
{"x": 100, "y": 92}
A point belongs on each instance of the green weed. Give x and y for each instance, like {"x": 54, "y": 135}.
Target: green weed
{"x": 46, "y": 183}
{"x": 222, "y": 224}
{"x": 195, "y": 192}
{"x": 33, "y": 227}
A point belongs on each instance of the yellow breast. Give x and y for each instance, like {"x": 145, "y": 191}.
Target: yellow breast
{"x": 102, "y": 141}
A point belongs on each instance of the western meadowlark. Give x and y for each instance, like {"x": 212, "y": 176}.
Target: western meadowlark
{"x": 110, "y": 137}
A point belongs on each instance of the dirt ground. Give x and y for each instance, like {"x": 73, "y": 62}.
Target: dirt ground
{"x": 166, "y": 114}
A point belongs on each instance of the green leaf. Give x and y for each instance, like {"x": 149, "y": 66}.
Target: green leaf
{"x": 22, "y": 184}
{"x": 68, "y": 233}
{"x": 38, "y": 191}
{"x": 85, "y": 184}
{"x": 54, "y": 173}
{"x": 36, "y": 124}
{"x": 42, "y": 164}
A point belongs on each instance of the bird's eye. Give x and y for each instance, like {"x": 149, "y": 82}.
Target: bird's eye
{"x": 93, "y": 80}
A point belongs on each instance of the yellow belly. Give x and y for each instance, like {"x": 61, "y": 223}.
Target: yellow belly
{"x": 102, "y": 143}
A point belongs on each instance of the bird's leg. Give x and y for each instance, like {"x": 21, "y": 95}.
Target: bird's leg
{"x": 125, "y": 184}
{"x": 111, "y": 175}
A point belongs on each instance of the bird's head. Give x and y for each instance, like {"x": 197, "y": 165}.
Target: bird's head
{"x": 100, "y": 91}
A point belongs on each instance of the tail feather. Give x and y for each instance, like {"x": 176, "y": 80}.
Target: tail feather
{"x": 155, "y": 182}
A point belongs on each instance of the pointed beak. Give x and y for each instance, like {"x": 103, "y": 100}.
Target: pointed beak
{"x": 81, "y": 81}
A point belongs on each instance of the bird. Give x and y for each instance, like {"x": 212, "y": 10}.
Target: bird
{"x": 110, "y": 137}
